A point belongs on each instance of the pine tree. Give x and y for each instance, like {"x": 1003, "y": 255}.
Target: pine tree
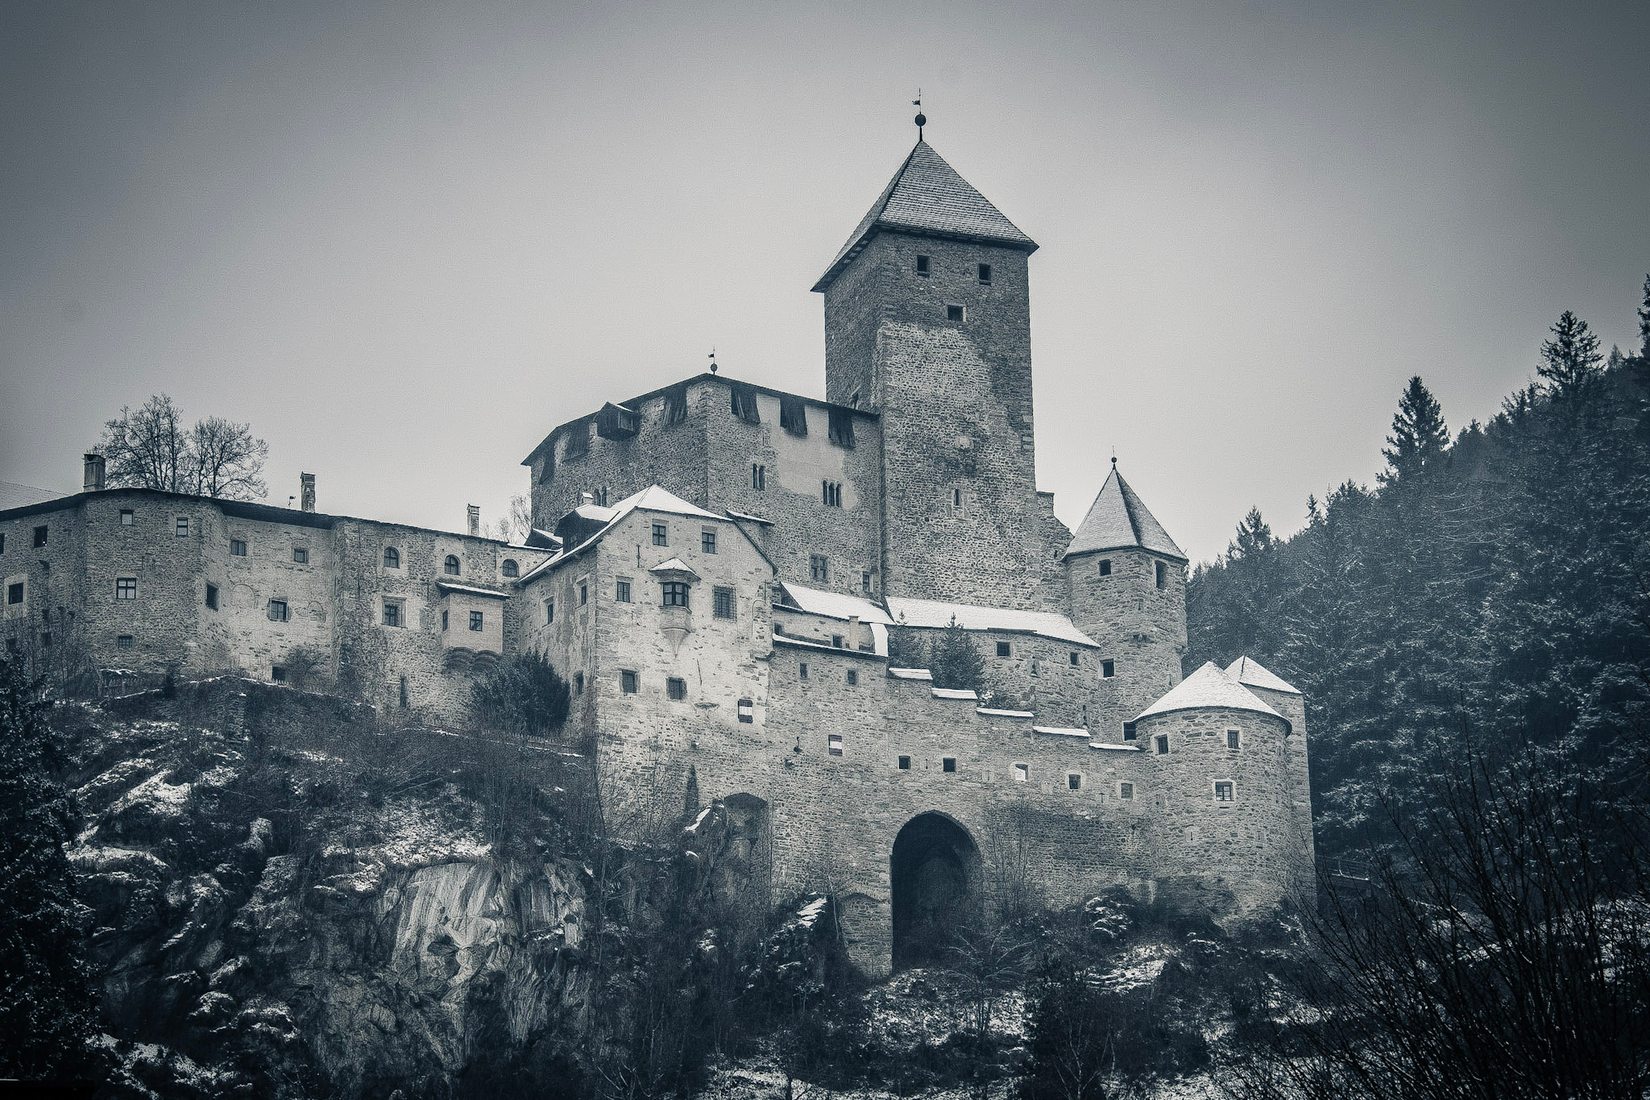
{"x": 45, "y": 1002}
{"x": 1419, "y": 435}
{"x": 956, "y": 662}
{"x": 1644, "y": 321}
{"x": 1254, "y": 537}
{"x": 1571, "y": 358}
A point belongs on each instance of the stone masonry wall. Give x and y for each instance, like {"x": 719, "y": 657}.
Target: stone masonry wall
{"x": 1142, "y": 626}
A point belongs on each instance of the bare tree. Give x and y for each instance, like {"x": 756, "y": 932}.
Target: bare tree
{"x": 226, "y": 460}
{"x": 518, "y": 524}
{"x": 150, "y": 448}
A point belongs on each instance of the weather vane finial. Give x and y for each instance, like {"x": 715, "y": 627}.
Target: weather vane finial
{"x": 922, "y": 119}
{"x": 712, "y": 360}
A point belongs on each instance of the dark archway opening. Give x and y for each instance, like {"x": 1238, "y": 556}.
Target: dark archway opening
{"x": 935, "y": 874}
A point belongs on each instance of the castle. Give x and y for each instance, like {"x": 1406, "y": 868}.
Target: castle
{"x": 721, "y": 571}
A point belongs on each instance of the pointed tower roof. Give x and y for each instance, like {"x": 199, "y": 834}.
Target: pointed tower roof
{"x": 927, "y": 196}
{"x": 1251, "y": 673}
{"x": 1208, "y": 687}
{"x": 1119, "y": 520}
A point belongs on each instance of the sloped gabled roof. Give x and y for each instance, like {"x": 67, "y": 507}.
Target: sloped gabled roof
{"x": 1206, "y": 688}
{"x": 936, "y": 614}
{"x": 1251, "y": 673}
{"x": 652, "y": 499}
{"x": 834, "y": 605}
{"x": 927, "y": 196}
{"x": 1119, "y": 520}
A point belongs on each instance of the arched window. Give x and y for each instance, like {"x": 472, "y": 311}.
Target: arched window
{"x": 450, "y": 565}
{"x": 392, "y": 558}
{"x": 511, "y": 569}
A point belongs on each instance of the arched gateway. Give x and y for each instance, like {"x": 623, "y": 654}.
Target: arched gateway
{"x": 934, "y": 872}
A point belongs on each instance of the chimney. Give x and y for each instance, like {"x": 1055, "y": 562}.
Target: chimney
{"x": 306, "y": 492}
{"x": 94, "y": 473}
{"x": 474, "y": 511}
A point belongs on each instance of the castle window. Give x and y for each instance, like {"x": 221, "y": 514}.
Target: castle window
{"x": 1022, "y": 773}
{"x": 405, "y": 699}
{"x": 1162, "y": 743}
{"x": 392, "y": 613}
{"x": 707, "y": 541}
{"x": 627, "y": 681}
{"x": 278, "y": 612}
{"x": 278, "y": 673}
{"x": 675, "y": 593}
{"x": 1161, "y": 573}
{"x": 300, "y": 555}
{"x": 833, "y": 744}
{"x": 237, "y": 548}
{"x": 621, "y": 590}
{"x": 759, "y": 477}
{"x": 127, "y": 517}
{"x": 1034, "y": 666}
{"x": 793, "y": 415}
{"x": 1005, "y": 649}
{"x": 922, "y": 266}
{"x": 1224, "y": 792}
{"x": 584, "y": 593}
{"x": 948, "y": 763}
{"x": 1128, "y": 731}
{"x": 676, "y": 688}
{"x": 476, "y": 620}
{"x": 853, "y": 677}
{"x": 743, "y": 402}
{"x": 1108, "y": 669}
{"x": 600, "y": 496}
{"x": 1234, "y": 739}
{"x": 449, "y": 565}
{"x": 578, "y": 441}
{"x": 125, "y": 588}
{"x": 392, "y": 558}
{"x": 444, "y": 621}
{"x": 841, "y": 427}
{"x": 14, "y": 592}
{"x": 802, "y": 670}
{"x": 956, "y": 500}
{"x": 1105, "y": 567}
{"x": 722, "y": 602}
{"x": 903, "y": 763}
{"x": 1074, "y": 781}
{"x": 819, "y": 568}
{"x": 832, "y": 492}
{"x": 40, "y": 535}
{"x": 661, "y": 535}
{"x": 985, "y": 274}
{"x": 212, "y": 597}
{"x": 1075, "y": 659}
{"x": 676, "y": 405}
{"x": 865, "y": 581}
{"x": 1125, "y": 791}
{"x": 747, "y": 711}
{"x": 183, "y": 527}
{"x": 836, "y": 641}
{"x": 956, "y": 313}
{"x": 510, "y": 568}
{"x": 125, "y": 641}
{"x": 578, "y": 683}
{"x": 550, "y": 611}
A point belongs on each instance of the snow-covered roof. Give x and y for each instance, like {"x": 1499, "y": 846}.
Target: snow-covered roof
{"x": 938, "y": 613}
{"x": 834, "y": 605}
{"x": 953, "y": 693}
{"x": 657, "y": 499}
{"x": 674, "y": 565}
{"x": 1119, "y": 520}
{"x": 998, "y": 712}
{"x": 449, "y": 586}
{"x": 1208, "y": 688}
{"x": 747, "y": 516}
{"x": 910, "y": 674}
{"x": 652, "y": 499}
{"x": 1061, "y": 731}
{"x": 1251, "y": 673}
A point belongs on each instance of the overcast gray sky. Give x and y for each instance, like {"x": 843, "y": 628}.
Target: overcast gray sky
{"x": 406, "y": 240}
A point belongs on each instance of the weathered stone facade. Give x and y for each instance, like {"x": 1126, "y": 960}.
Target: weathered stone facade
{"x": 718, "y": 569}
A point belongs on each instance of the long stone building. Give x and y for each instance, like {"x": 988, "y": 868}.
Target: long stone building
{"x": 741, "y": 585}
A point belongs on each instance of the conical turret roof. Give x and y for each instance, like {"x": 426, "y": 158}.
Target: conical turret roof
{"x": 927, "y": 196}
{"x": 1251, "y": 673}
{"x": 1119, "y": 520}
{"x": 1209, "y": 688}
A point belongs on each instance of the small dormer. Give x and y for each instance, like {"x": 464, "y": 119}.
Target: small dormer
{"x": 582, "y": 522}
{"x": 676, "y": 580}
{"x": 617, "y": 422}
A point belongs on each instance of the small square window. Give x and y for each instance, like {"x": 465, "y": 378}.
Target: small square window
{"x": 1075, "y": 659}
{"x": 182, "y": 527}
{"x": 300, "y": 555}
{"x": 836, "y": 641}
{"x": 985, "y": 274}
{"x": 40, "y": 536}
{"x": 1022, "y": 773}
{"x": 675, "y": 593}
{"x": 802, "y": 670}
{"x": 955, "y": 313}
{"x": 922, "y": 266}
{"x": 1125, "y": 791}
{"x": 476, "y": 620}
{"x": 819, "y": 568}
{"x": 865, "y": 581}
{"x": 707, "y": 541}
{"x": 833, "y": 744}
{"x": 1162, "y": 743}
{"x": 278, "y": 674}
{"x": 1224, "y": 792}
{"x": 1074, "y": 782}
{"x": 1234, "y": 739}
{"x": 450, "y": 566}
{"x": 903, "y": 763}
{"x": 1108, "y": 669}
{"x": 621, "y": 590}
{"x": 392, "y": 613}
{"x": 125, "y": 641}
{"x": 1005, "y": 649}
{"x": 676, "y": 688}
{"x": 948, "y": 764}
{"x": 747, "y": 711}
{"x": 237, "y": 548}
{"x": 853, "y": 677}
{"x": 278, "y": 611}
{"x": 125, "y": 588}
{"x": 127, "y": 518}
{"x": 1128, "y": 731}
{"x": 661, "y": 535}
{"x": 1161, "y": 573}
{"x": 627, "y": 681}
{"x": 392, "y": 558}
{"x": 212, "y": 597}
{"x": 723, "y": 603}
{"x": 14, "y": 592}
{"x": 1105, "y": 567}
{"x": 549, "y": 611}
{"x": 510, "y": 568}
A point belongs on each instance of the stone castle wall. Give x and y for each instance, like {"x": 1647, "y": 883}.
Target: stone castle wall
{"x": 1143, "y": 626}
